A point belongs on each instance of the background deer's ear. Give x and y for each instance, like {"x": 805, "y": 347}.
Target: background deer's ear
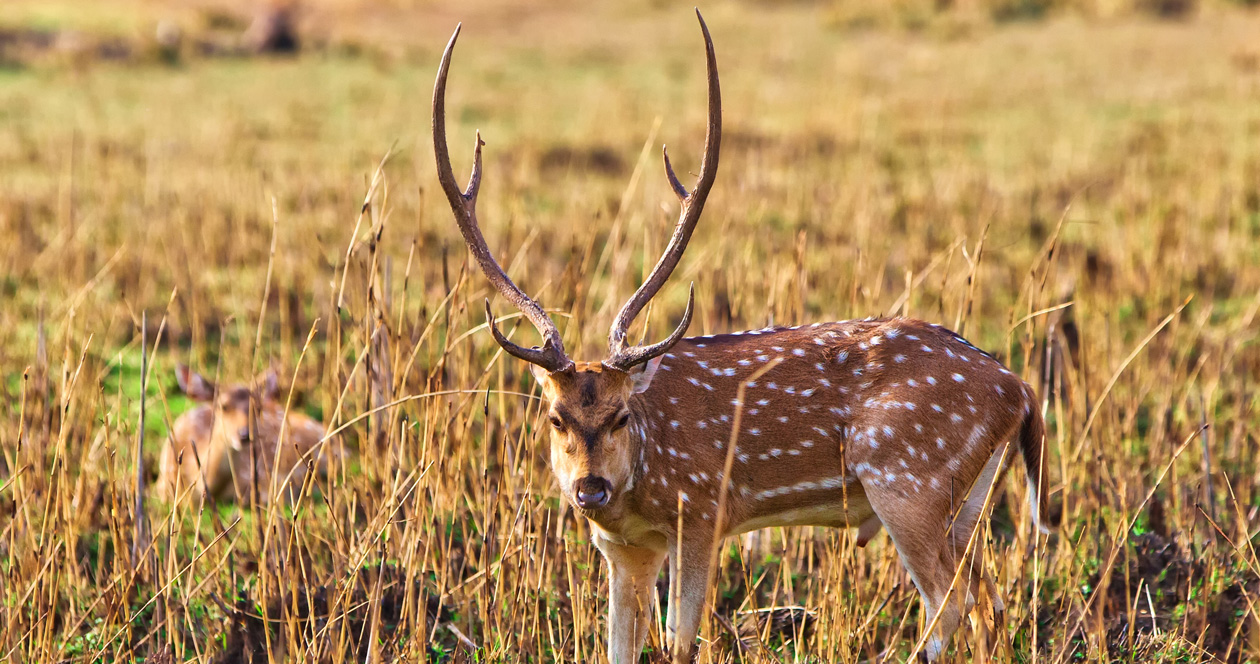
{"x": 641, "y": 376}
{"x": 270, "y": 384}
{"x": 193, "y": 384}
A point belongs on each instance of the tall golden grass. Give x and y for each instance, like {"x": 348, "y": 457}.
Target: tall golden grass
{"x": 1078, "y": 197}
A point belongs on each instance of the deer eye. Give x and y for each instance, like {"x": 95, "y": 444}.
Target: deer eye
{"x": 555, "y": 422}
{"x": 621, "y": 422}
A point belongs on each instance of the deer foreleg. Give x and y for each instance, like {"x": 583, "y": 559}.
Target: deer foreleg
{"x": 632, "y": 575}
{"x": 688, "y": 582}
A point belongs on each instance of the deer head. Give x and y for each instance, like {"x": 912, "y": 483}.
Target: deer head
{"x": 232, "y": 405}
{"x": 592, "y": 451}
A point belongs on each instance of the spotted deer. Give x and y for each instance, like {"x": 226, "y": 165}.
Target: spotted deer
{"x": 892, "y": 423}
{"x": 218, "y": 450}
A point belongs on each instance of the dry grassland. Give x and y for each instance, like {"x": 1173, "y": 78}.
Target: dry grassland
{"x": 969, "y": 173}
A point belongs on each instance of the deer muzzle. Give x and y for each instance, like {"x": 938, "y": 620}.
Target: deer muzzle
{"x": 592, "y": 492}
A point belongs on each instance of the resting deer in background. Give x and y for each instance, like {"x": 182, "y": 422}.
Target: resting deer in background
{"x": 209, "y": 451}
{"x": 894, "y": 423}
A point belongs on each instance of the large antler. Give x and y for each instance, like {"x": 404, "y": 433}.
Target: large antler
{"x": 620, "y": 354}
{"x": 551, "y": 355}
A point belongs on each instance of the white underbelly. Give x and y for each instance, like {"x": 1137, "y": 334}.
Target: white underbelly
{"x": 840, "y": 514}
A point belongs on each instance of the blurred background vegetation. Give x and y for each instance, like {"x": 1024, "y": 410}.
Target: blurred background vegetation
{"x": 256, "y": 180}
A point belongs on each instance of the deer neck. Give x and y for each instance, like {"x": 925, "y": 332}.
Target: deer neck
{"x": 638, "y": 440}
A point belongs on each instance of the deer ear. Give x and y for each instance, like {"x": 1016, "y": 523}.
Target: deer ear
{"x": 641, "y": 376}
{"x": 270, "y": 384}
{"x": 540, "y": 374}
{"x": 193, "y": 384}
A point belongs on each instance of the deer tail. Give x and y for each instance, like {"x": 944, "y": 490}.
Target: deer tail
{"x": 1032, "y": 435}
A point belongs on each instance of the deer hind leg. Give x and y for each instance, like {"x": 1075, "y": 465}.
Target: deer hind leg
{"x": 965, "y": 522}
{"x": 917, "y": 525}
{"x": 955, "y": 567}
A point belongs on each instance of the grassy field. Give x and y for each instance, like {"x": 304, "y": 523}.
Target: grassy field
{"x": 970, "y": 172}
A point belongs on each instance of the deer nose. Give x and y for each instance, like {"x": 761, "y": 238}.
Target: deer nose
{"x": 592, "y": 492}
{"x": 243, "y": 434}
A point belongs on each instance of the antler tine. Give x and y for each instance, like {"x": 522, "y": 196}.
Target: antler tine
{"x": 551, "y": 355}
{"x": 630, "y": 357}
{"x": 692, "y": 204}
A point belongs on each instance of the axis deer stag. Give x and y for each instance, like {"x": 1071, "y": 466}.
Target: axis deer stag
{"x": 209, "y": 451}
{"x": 894, "y": 423}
